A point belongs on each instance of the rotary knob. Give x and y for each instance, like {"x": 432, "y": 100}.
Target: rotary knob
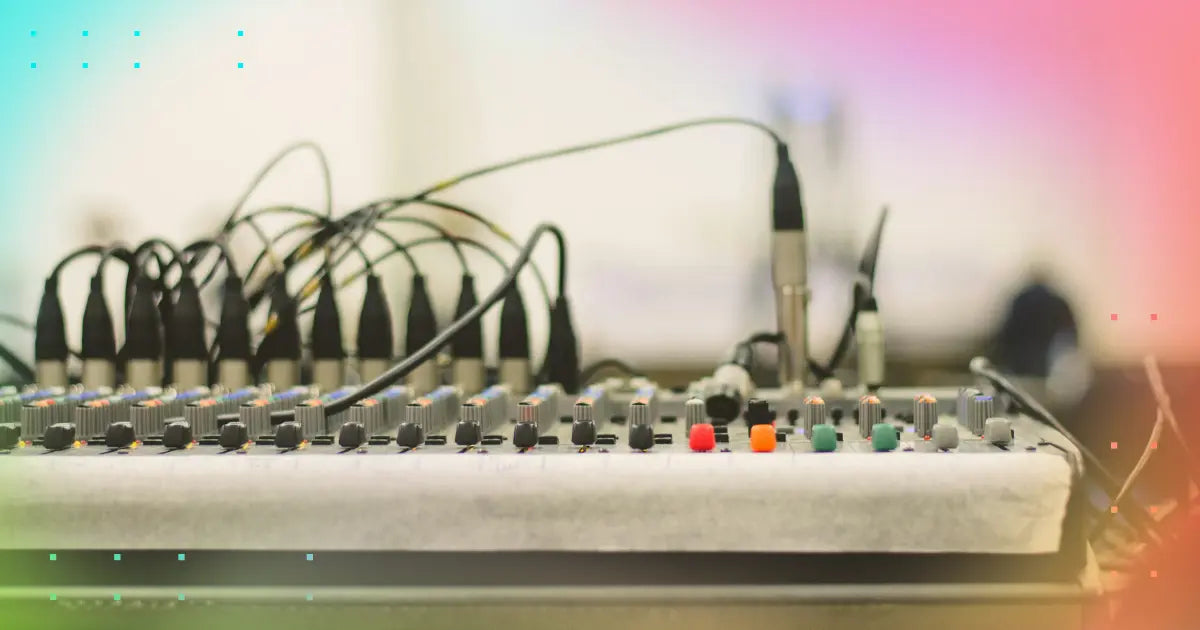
{"x": 925, "y": 415}
{"x": 814, "y": 414}
{"x": 693, "y": 412}
{"x": 979, "y": 410}
{"x": 870, "y": 413}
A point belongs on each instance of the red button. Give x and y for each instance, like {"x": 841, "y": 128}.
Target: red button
{"x": 702, "y": 437}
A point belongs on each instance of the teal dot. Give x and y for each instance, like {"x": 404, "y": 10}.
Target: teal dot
{"x": 241, "y": 33}
{"x": 181, "y": 597}
{"x": 33, "y": 33}
{"x": 182, "y": 557}
{"x": 53, "y": 557}
{"x": 137, "y": 33}
{"x": 241, "y": 65}
{"x": 116, "y": 597}
{"x": 308, "y": 557}
{"x": 32, "y": 64}
{"x": 137, "y": 64}
{"x": 85, "y": 33}
{"x": 85, "y": 65}
{"x": 116, "y": 557}
{"x": 308, "y": 597}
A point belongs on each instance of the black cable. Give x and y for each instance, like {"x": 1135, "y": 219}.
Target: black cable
{"x": 16, "y": 321}
{"x": 349, "y": 279}
{"x": 599, "y": 144}
{"x": 981, "y": 367}
{"x": 198, "y": 249}
{"x": 426, "y": 352}
{"x": 866, "y": 270}
{"x": 262, "y": 174}
{"x": 73, "y": 256}
{"x": 367, "y": 217}
{"x": 334, "y": 227}
{"x": 446, "y": 236}
{"x": 589, "y": 373}
{"x": 372, "y": 210}
{"x": 19, "y": 367}
{"x": 146, "y": 248}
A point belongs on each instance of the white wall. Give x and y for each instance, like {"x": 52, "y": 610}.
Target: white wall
{"x": 668, "y": 237}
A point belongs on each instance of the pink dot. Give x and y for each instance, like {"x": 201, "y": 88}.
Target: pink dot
{"x": 1153, "y": 445}
{"x": 1113, "y": 509}
{"x": 1113, "y": 317}
{"x": 1154, "y": 574}
{"x": 1112, "y": 445}
{"x": 1153, "y": 317}
{"x": 1154, "y": 509}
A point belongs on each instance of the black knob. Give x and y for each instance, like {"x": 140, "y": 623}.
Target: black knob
{"x": 758, "y": 412}
{"x": 641, "y": 437}
{"x": 177, "y": 434}
{"x": 118, "y": 435}
{"x": 410, "y": 435}
{"x": 525, "y": 435}
{"x": 289, "y": 434}
{"x": 468, "y": 433}
{"x": 793, "y": 416}
{"x": 352, "y": 435}
{"x": 10, "y": 434}
{"x": 583, "y": 433}
{"x": 233, "y": 435}
{"x": 59, "y": 436}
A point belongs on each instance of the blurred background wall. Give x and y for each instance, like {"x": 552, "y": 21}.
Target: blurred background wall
{"x": 1062, "y": 133}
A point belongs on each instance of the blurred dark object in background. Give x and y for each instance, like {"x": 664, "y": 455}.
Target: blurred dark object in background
{"x": 1040, "y": 326}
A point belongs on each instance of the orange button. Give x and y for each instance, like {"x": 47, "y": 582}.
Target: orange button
{"x": 762, "y": 438}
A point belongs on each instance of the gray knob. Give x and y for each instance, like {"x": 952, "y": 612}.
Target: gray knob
{"x": 528, "y": 413}
{"x": 965, "y": 395}
{"x": 980, "y": 409}
{"x": 997, "y": 431}
{"x": 639, "y": 413}
{"x": 310, "y": 415}
{"x": 256, "y": 415}
{"x": 870, "y": 413}
{"x": 814, "y": 414}
{"x": 147, "y": 417}
{"x": 925, "y": 415}
{"x": 945, "y": 435}
{"x": 369, "y": 413}
{"x": 583, "y": 413}
{"x": 36, "y": 417}
{"x": 420, "y": 413}
{"x": 693, "y": 412}
{"x": 472, "y": 413}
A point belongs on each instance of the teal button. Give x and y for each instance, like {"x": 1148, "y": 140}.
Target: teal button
{"x": 883, "y": 437}
{"x": 824, "y": 438}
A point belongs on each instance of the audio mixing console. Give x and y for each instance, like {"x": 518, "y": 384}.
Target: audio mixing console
{"x": 188, "y": 464}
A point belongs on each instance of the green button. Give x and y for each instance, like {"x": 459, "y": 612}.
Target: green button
{"x": 883, "y": 437}
{"x": 824, "y": 438}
